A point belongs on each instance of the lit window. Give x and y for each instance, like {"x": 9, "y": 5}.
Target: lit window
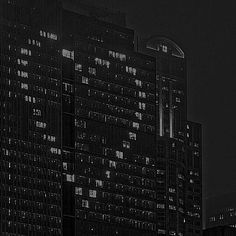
{"x": 142, "y": 94}
{"x": 36, "y": 112}
{"x": 142, "y": 106}
{"x": 177, "y": 99}
{"x": 51, "y": 138}
{"x": 85, "y": 203}
{"x": 68, "y": 87}
{"x": 22, "y": 62}
{"x": 78, "y": 67}
{"x": 68, "y": 54}
{"x": 25, "y": 51}
{"x": 93, "y": 193}
{"x": 52, "y": 36}
{"x": 126, "y": 144}
{"x": 24, "y": 86}
{"x": 78, "y": 191}
{"x": 130, "y": 70}
{"x": 164, "y": 48}
{"x": 41, "y": 124}
{"x": 70, "y": 178}
{"x": 55, "y": 150}
{"x": 22, "y": 74}
{"x": 65, "y": 166}
{"x": 135, "y": 125}
{"x": 138, "y": 83}
{"x": 171, "y": 190}
{"x": 138, "y": 115}
{"x": 34, "y": 42}
{"x": 132, "y": 136}
{"x": 85, "y": 80}
{"x": 108, "y": 174}
{"x": 161, "y": 231}
{"x": 99, "y": 183}
{"x": 92, "y": 70}
{"x": 120, "y": 56}
{"x": 112, "y": 54}
{"x": 161, "y": 206}
{"x": 119, "y": 154}
{"x": 171, "y": 207}
{"x": 112, "y": 164}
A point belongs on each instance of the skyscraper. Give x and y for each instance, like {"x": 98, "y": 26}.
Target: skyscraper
{"x": 94, "y": 135}
{"x": 178, "y": 143}
{"x": 30, "y": 121}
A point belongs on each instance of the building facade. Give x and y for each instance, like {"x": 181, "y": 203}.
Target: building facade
{"x": 30, "y": 120}
{"x": 94, "y": 135}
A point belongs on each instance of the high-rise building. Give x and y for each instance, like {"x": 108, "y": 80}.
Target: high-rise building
{"x": 193, "y": 192}
{"x": 30, "y": 120}
{"x": 108, "y": 131}
{"x": 178, "y": 143}
{"x": 94, "y": 135}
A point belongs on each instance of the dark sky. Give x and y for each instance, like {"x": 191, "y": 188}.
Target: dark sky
{"x": 206, "y": 31}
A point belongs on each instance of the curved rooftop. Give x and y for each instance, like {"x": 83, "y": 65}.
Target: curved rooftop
{"x": 165, "y": 45}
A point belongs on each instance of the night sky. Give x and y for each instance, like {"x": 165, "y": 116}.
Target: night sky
{"x": 206, "y": 31}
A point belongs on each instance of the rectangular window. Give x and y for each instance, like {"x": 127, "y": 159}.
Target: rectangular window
{"x": 93, "y": 193}
{"x": 92, "y": 70}
{"x": 68, "y": 54}
{"x": 24, "y": 86}
{"x": 22, "y": 62}
{"x": 85, "y": 203}
{"x": 126, "y": 144}
{"x": 119, "y": 154}
{"x": 85, "y": 80}
{"x": 132, "y": 136}
{"x": 78, "y": 67}
{"x": 135, "y": 125}
{"x": 130, "y": 70}
{"x": 25, "y": 51}
{"x": 70, "y": 178}
{"x": 138, "y": 115}
{"x": 99, "y": 183}
{"x": 78, "y": 191}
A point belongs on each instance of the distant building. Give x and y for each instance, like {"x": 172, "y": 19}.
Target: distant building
{"x": 220, "y": 231}
{"x": 221, "y": 210}
{"x": 94, "y": 135}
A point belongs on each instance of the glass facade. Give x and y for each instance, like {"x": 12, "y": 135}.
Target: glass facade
{"x": 108, "y": 165}
{"x": 93, "y": 134}
{"x": 30, "y": 122}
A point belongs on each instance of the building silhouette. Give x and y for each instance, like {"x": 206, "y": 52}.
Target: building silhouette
{"x": 94, "y": 135}
{"x": 221, "y": 210}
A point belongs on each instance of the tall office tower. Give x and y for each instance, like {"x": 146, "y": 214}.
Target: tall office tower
{"x": 175, "y": 211}
{"x": 30, "y": 137}
{"x": 93, "y": 133}
{"x": 194, "y": 179}
{"x": 170, "y": 134}
{"x": 108, "y": 131}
